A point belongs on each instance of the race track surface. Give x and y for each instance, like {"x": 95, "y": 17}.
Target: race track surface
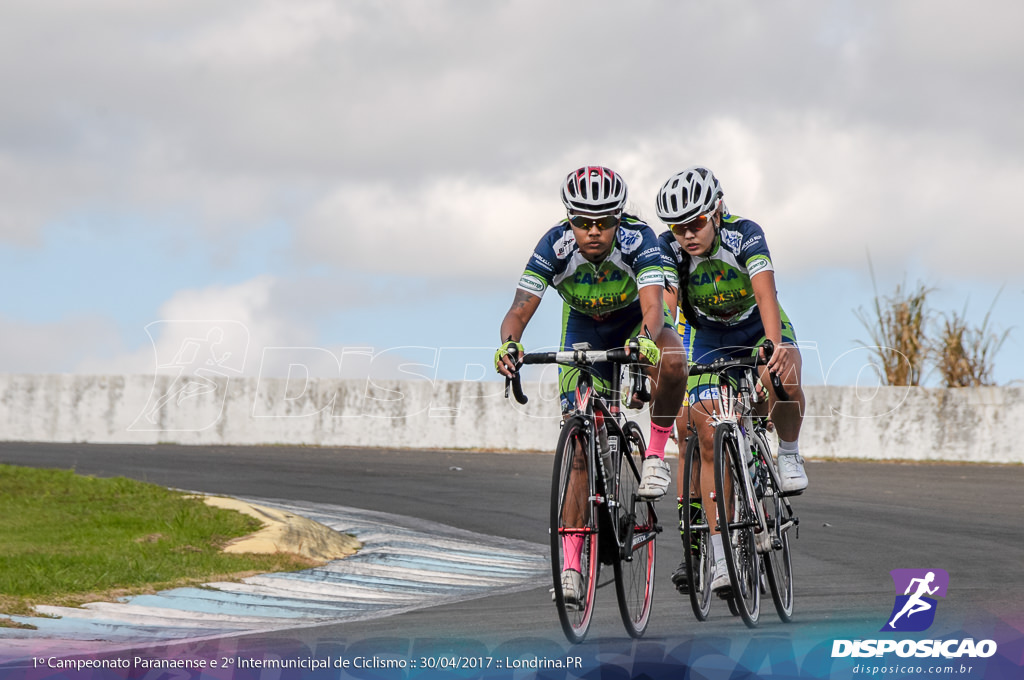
{"x": 858, "y": 522}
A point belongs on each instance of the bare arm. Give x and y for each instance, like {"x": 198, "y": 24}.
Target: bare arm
{"x": 524, "y": 305}
{"x": 771, "y": 318}
{"x": 652, "y": 304}
{"x": 768, "y": 304}
{"x": 671, "y": 298}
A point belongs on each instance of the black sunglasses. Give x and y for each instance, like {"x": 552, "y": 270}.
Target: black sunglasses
{"x": 588, "y": 223}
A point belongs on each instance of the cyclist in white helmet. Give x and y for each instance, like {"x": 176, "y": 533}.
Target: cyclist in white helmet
{"x": 720, "y": 275}
{"x": 607, "y": 267}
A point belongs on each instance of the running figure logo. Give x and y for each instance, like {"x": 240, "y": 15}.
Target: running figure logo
{"x": 195, "y": 361}
{"x": 914, "y": 609}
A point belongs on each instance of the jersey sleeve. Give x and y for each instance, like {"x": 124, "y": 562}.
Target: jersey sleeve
{"x": 541, "y": 267}
{"x": 754, "y": 252}
{"x": 647, "y": 261}
{"x": 669, "y": 259}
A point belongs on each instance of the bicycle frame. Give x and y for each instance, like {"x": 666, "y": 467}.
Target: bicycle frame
{"x": 607, "y": 512}
{"x": 594, "y": 408}
{"x": 735, "y": 410}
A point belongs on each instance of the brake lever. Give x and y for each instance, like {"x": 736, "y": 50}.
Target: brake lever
{"x": 780, "y": 391}
{"x": 515, "y": 382}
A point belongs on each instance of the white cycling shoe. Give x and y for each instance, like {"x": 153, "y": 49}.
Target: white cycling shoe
{"x": 654, "y": 479}
{"x": 721, "y": 581}
{"x": 791, "y": 473}
{"x": 572, "y": 589}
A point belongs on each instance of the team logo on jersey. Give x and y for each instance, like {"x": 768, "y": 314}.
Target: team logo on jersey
{"x": 707, "y": 278}
{"x": 651, "y": 277}
{"x": 756, "y": 265}
{"x": 594, "y": 278}
{"x": 707, "y": 393}
{"x": 733, "y": 240}
{"x": 914, "y": 609}
{"x": 629, "y": 240}
{"x": 531, "y": 283}
{"x": 565, "y": 246}
{"x": 543, "y": 262}
{"x": 751, "y": 241}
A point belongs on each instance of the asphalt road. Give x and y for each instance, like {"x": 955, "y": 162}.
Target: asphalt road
{"x": 858, "y": 522}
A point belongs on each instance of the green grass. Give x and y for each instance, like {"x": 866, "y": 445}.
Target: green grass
{"x": 67, "y": 539}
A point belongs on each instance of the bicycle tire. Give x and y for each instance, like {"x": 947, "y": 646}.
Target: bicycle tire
{"x": 569, "y": 475}
{"x": 637, "y": 522}
{"x": 736, "y": 519}
{"x": 778, "y": 562}
{"x": 699, "y": 562}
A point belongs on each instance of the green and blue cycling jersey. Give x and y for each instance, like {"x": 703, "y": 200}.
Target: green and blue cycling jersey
{"x": 601, "y": 300}
{"x": 725, "y": 319}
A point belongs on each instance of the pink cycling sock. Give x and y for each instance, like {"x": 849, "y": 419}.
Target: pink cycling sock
{"x": 659, "y": 437}
{"x": 572, "y": 548}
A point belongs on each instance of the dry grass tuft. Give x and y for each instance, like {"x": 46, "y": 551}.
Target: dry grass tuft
{"x": 897, "y": 329}
{"x": 964, "y": 355}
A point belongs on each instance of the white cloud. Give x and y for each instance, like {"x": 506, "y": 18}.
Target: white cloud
{"x": 259, "y": 327}
{"x": 428, "y": 144}
{"x": 262, "y": 35}
{"x": 59, "y": 347}
{"x": 220, "y": 328}
{"x": 445, "y": 229}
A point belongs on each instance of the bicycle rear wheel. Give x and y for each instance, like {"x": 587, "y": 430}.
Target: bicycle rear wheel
{"x": 637, "y": 526}
{"x": 778, "y": 563}
{"x": 573, "y": 528}
{"x": 696, "y": 538}
{"x": 737, "y": 518}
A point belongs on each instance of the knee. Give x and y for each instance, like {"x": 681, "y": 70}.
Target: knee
{"x": 672, "y": 369}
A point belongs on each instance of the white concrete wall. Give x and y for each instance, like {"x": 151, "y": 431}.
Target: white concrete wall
{"x": 970, "y": 425}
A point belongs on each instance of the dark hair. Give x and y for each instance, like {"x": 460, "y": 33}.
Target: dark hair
{"x": 682, "y": 295}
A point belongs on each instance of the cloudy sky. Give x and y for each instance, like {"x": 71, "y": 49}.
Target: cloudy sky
{"x": 354, "y": 184}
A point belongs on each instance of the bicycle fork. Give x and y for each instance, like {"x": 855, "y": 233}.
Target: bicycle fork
{"x": 762, "y": 537}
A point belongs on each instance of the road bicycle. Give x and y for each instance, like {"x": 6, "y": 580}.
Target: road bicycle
{"x": 748, "y": 494}
{"x": 594, "y": 499}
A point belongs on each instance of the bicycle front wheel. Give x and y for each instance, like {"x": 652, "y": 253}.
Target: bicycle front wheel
{"x": 737, "y": 519}
{"x": 574, "y": 557}
{"x": 778, "y": 563}
{"x": 637, "y": 526}
{"x": 696, "y": 537}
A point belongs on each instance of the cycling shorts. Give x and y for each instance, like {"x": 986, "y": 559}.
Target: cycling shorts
{"x": 607, "y": 333}
{"x": 706, "y": 344}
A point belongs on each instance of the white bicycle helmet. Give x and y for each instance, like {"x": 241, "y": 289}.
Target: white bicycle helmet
{"x": 689, "y": 194}
{"x": 593, "y": 190}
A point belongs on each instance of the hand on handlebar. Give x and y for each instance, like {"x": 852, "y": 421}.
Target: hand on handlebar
{"x": 506, "y": 356}
{"x": 779, "y": 360}
{"x": 648, "y": 349}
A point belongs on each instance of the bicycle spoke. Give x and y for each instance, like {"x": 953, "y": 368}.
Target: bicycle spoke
{"x": 737, "y": 519}
{"x": 637, "y": 527}
{"x": 778, "y": 561}
{"x": 696, "y": 538}
{"x": 574, "y": 537}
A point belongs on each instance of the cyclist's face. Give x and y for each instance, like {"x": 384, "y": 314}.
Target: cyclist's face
{"x": 595, "y": 235}
{"x": 696, "y": 236}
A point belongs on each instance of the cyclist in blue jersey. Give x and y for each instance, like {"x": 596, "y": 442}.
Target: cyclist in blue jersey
{"x": 607, "y": 267}
{"x": 719, "y": 273}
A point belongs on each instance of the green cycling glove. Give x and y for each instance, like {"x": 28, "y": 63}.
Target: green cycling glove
{"x": 505, "y": 350}
{"x": 648, "y": 349}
